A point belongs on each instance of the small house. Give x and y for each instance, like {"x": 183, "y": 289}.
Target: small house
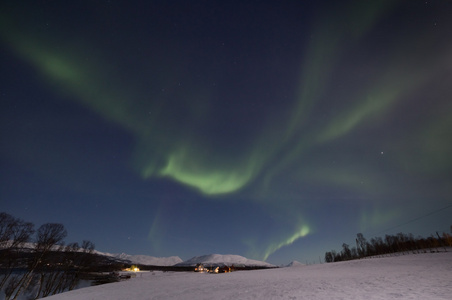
{"x": 224, "y": 269}
{"x": 200, "y": 268}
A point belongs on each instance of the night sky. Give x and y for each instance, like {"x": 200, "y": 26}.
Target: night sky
{"x": 275, "y": 130}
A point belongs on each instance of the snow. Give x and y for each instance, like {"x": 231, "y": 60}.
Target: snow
{"x": 144, "y": 259}
{"x": 221, "y": 260}
{"x": 149, "y": 260}
{"x": 134, "y": 259}
{"x": 295, "y": 264}
{"x": 415, "y": 276}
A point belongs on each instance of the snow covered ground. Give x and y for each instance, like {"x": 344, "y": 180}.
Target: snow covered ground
{"x": 415, "y": 276}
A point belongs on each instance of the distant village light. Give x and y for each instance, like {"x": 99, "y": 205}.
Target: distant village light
{"x": 133, "y": 269}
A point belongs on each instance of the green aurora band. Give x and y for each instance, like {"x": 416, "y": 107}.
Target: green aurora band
{"x": 167, "y": 149}
{"x": 273, "y": 247}
{"x": 180, "y": 159}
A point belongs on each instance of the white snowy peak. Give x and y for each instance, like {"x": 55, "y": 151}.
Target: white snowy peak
{"x": 144, "y": 259}
{"x": 150, "y": 260}
{"x": 228, "y": 260}
{"x": 295, "y": 264}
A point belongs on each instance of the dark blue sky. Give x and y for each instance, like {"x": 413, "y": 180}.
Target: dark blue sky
{"x": 276, "y": 130}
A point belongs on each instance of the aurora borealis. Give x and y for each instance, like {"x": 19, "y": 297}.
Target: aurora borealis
{"x": 275, "y": 130}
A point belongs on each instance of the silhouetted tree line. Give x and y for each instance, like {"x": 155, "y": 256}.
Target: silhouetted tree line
{"x": 37, "y": 261}
{"x": 399, "y": 243}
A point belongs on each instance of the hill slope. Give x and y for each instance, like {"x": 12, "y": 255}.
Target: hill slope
{"x": 221, "y": 260}
{"x": 295, "y": 264}
{"x": 144, "y": 259}
{"x": 150, "y": 260}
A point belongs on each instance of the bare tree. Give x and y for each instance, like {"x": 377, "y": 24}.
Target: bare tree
{"x": 329, "y": 257}
{"x": 14, "y": 233}
{"x": 447, "y": 239}
{"x": 77, "y": 260}
{"x": 346, "y": 252}
{"x": 49, "y": 235}
{"x": 61, "y": 277}
{"x": 11, "y": 286}
{"x": 361, "y": 244}
{"x": 400, "y": 243}
{"x": 7, "y": 222}
{"x": 72, "y": 260}
{"x": 51, "y": 267}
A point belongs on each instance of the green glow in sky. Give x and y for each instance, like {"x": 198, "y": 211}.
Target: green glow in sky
{"x": 188, "y": 170}
{"x": 377, "y": 217}
{"x": 162, "y": 146}
{"x": 171, "y": 127}
{"x": 302, "y": 231}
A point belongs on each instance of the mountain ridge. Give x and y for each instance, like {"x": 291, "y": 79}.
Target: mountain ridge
{"x": 145, "y": 259}
{"x": 221, "y": 260}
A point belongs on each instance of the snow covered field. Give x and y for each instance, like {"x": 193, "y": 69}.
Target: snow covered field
{"x": 416, "y": 276}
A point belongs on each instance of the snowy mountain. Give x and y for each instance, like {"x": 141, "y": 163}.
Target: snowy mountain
{"x": 134, "y": 259}
{"x": 144, "y": 259}
{"x": 221, "y": 260}
{"x": 150, "y": 260}
{"x": 295, "y": 264}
